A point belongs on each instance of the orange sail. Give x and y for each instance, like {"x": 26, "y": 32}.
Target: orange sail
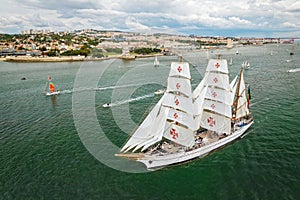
{"x": 51, "y": 87}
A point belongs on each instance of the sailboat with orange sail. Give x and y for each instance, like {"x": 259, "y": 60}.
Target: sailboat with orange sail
{"x": 50, "y": 88}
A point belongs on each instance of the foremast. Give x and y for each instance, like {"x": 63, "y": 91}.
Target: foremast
{"x": 172, "y": 117}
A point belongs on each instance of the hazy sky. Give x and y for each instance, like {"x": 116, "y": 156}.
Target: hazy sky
{"x": 257, "y": 18}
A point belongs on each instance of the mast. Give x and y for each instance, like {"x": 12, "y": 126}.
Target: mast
{"x": 172, "y": 117}
{"x": 237, "y": 97}
{"x": 178, "y": 98}
{"x": 216, "y": 114}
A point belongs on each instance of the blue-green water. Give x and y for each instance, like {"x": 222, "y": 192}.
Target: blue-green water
{"x": 42, "y": 155}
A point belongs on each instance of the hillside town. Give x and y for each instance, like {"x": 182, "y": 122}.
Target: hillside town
{"x": 90, "y": 43}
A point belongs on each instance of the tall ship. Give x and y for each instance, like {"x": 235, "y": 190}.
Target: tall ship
{"x": 187, "y": 124}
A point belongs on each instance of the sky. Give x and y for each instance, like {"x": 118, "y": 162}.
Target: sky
{"x": 237, "y": 18}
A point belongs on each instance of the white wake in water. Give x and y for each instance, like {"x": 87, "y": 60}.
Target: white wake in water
{"x": 294, "y": 70}
{"x": 129, "y": 100}
{"x": 97, "y": 89}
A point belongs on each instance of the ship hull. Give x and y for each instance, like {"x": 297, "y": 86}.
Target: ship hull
{"x": 160, "y": 161}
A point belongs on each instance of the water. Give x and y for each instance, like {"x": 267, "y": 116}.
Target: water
{"x": 42, "y": 156}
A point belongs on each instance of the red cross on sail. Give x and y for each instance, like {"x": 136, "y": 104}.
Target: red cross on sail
{"x": 177, "y": 102}
{"x": 217, "y": 65}
{"x": 216, "y": 80}
{"x": 174, "y": 133}
{"x": 211, "y": 121}
{"x": 214, "y": 94}
{"x": 177, "y": 86}
{"x": 175, "y": 115}
{"x": 179, "y": 69}
{"x": 213, "y": 106}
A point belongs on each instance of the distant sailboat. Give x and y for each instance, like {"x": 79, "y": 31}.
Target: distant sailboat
{"x": 231, "y": 61}
{"x": 156, "y": 62}
{"x": 50, "y": 88}
{"x": 292, "y": 51}
{"x": 184, "y": 125}
{"x": 246, "y": 64}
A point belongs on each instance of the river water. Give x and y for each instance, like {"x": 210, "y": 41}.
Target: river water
{"x": 52, "y": 149}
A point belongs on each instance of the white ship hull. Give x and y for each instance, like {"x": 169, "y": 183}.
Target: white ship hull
{"x": 160, "y": 161}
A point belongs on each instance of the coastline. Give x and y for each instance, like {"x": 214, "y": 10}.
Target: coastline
{"x": 69, "y": 58}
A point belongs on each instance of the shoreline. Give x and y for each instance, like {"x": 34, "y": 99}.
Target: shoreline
{"x": 70, "y": 58}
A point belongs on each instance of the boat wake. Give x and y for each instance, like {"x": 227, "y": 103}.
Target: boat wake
{"x": 66, "y": 91}
{"x": 128, "y": 100}
{"x": 97, "y": 89}
{"x": 115, "y": 87}
{"x": 294, "y": 70}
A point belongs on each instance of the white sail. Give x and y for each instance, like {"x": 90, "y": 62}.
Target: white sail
{"x": 144, "y": 131}
{"x": 242, "y": 105}
{"x": 183, "y": 118}
{"x": 199, "y": 88}
{"x": 198, "y": 103}
{"x": 218, "y": 80}
{"x": 221, "y": 95}
{"x": 181, "y": 85}
{"x": 215, "y": 122}
{"x": 233, "y": 82}
{"x": 217, "y": 113}
{"x": 180, "y": 69}
{"x": 179, "y": 135}
{"x": 233, "y": 86}
{"x": 178, "y": 102}
{"x": 217, "y": 65}
{"x": 218, "y": 107}
{"x": 156, "y": 62}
